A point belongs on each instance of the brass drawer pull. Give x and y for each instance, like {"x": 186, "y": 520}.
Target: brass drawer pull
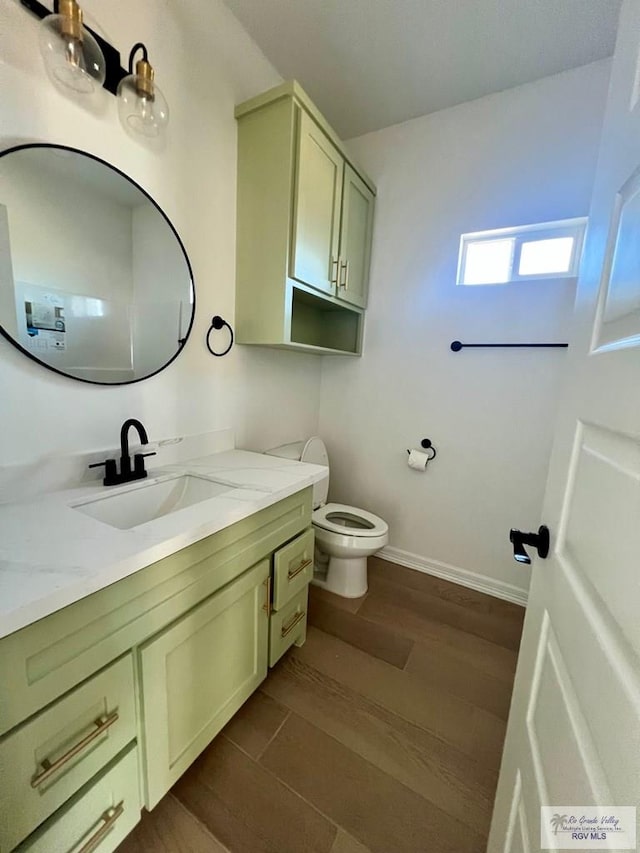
{"x": 267, "y": 603}
{"x": 49, "y": 768}
{"x": 286, "y": 629}
{"x": 109, "y": 818}
{"x": 303, "y": 565}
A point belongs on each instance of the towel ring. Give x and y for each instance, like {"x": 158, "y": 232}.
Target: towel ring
{"x": 218, "y": 323}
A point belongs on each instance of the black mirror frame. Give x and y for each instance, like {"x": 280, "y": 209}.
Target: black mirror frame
{"x": 182, "y": 342}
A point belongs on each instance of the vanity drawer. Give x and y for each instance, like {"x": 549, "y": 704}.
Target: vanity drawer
{"x": 292, "y": 568}
{"x": 288, "y": 626}
{"x": 98, "y": 818}
{"x": 50, "y": 757}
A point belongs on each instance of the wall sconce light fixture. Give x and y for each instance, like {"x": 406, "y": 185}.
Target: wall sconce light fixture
{"x": 80, "y": 59}
{"x": 142, "y": 107}
{"x": 71, "y": 55}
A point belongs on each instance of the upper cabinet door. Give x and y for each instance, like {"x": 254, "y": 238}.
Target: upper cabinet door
{"x": 355, "y": 239}
{"x": 316, "y": 219}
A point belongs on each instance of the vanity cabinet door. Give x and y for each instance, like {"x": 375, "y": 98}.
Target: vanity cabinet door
{"x": 355, "y": 239}
{"x": 198, "y": 672}
{"x": 316, "y": 219}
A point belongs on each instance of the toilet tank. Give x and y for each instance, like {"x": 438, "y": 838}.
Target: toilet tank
{"x": 313, "y": 451}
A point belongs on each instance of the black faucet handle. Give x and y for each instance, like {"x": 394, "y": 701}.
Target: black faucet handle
{"x": 138, "y": 463}
{"x": 110, "y": 471}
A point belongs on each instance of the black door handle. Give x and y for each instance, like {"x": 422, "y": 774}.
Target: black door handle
{"x": 539, "y": 541}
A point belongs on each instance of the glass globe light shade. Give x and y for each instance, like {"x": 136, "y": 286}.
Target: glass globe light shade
{"x": 143, "y": 110}
{"x": 71, "y": 55}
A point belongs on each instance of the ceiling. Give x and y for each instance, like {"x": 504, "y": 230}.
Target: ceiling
{"x": 371, "y": 63}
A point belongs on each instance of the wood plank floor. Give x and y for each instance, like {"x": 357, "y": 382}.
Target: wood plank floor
{"x": 383, "y": 733}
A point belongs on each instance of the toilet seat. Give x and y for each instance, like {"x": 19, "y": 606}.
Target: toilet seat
{"x": 349, "y": 521}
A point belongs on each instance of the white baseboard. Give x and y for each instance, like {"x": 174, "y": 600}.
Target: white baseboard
{"x": 464, "y": 577}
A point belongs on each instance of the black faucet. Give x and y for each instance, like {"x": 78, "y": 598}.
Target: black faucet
{"x": 127, "y": 474}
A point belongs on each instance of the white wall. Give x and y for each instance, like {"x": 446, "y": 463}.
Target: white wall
{"x": 522, "y": 156}
{"x": 205, "y": 63}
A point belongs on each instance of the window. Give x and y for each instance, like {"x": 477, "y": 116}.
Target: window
{"x": 547, "y": 250}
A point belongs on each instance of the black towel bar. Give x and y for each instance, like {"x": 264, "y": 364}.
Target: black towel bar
{"x": 456, "y": 346}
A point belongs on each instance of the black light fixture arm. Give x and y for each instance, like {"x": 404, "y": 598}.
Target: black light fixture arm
{"x": 137, "y": 46}
{"x": 113, "y": 67}
{"x": 38, "y": 9}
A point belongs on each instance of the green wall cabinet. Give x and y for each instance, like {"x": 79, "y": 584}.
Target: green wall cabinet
{"x": 305, "y": 220}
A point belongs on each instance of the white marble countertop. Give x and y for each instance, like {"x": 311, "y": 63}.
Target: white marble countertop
{"x": 52, "y": 555}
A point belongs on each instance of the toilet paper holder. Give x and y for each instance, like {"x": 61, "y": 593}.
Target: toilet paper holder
{"x": 427, "y": 444}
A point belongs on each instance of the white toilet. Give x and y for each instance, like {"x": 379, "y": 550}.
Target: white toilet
{"x": 345, "y": 535}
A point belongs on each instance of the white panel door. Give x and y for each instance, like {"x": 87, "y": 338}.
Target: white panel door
{"x": 574, "y": 729}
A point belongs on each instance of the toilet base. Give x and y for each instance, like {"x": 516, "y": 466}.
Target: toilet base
{"x": 345, "y": 577}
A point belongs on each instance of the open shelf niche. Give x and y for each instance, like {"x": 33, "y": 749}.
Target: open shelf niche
{"x": 322, "y": 323}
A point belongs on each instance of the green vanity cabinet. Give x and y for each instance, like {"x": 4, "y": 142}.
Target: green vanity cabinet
{"x": 304, "y": 226}
{"x": 198, "y": 672}
{"x": 104, "y": 704}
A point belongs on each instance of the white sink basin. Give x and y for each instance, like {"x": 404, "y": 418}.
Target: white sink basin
{"x": 148, "y": 502}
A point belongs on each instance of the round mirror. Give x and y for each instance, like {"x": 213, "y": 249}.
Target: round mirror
{"x": 94, "y": 281}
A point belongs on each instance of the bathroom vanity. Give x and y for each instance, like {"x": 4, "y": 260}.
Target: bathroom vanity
{"x": 106, "y": 698}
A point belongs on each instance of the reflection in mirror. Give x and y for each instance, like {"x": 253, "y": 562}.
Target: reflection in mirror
{"x": 94, "y": 280}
